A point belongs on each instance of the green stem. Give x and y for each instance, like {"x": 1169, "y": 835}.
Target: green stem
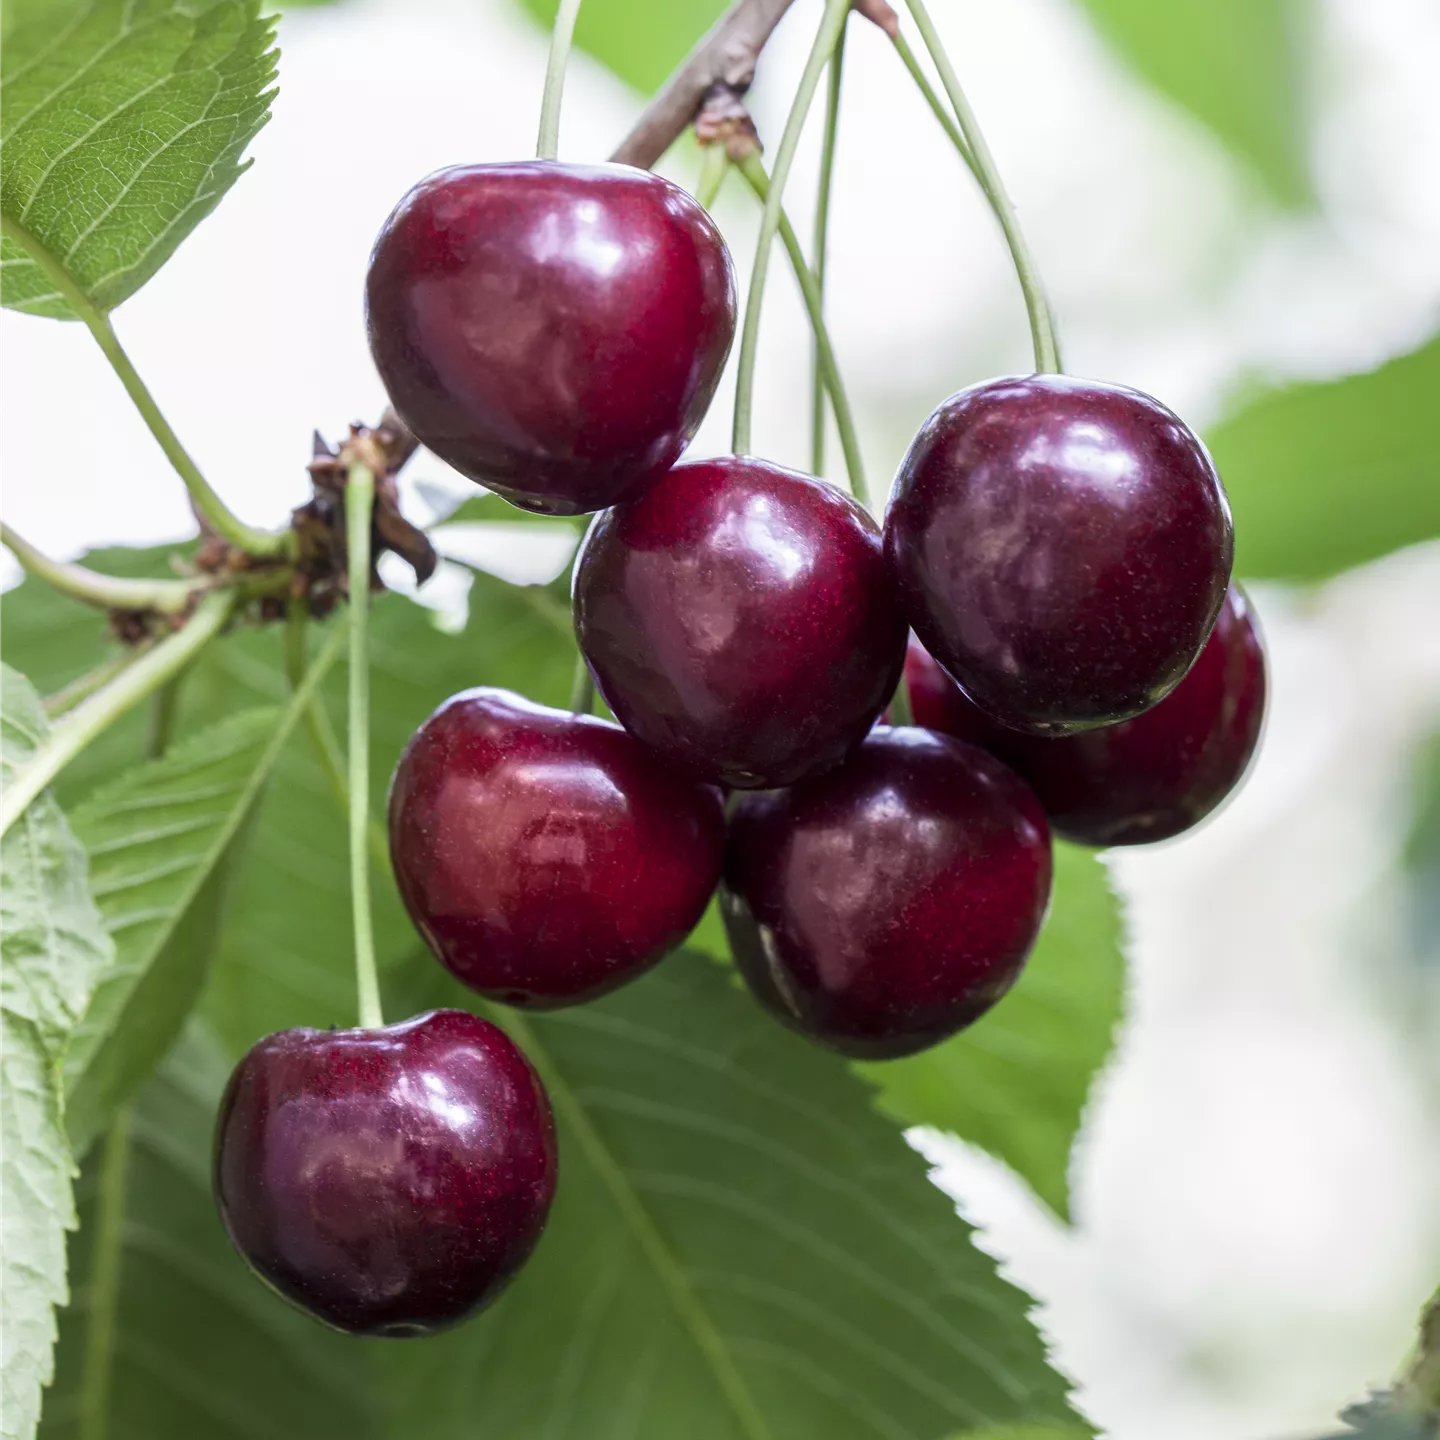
{"x": 901, "y": 712}
{"x": 822, "y": 245}
{"x": 105, "y": 1266}
{"x": 102, "y": 709}
{"x": 582, "y": 689}
{"x": 69, "y": 696}
{"x": 163, "y": 705}
{"x": 359, "y": 503}
{"x": 714, "y": 167}
{"x": 109, "y": 592}
{"x": 933, "y": 100}
{"x": 547, "y": 147}
{"x": 826, "y": 38}
{"x": 753, "y": 169}
{"x": 1042, "y": 331}
{"x": 208, "y": 504}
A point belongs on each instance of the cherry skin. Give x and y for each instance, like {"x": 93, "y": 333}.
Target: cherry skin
{"x": 882, "y": 907}
{"x": 1062, "y": 547}
{"x": 547, "y": 857}
{"x": 738, "y": 620}
{"x": 552, "y": 331}
{"x": 389, "y": 1181}
{"x": 1141, "y": 780}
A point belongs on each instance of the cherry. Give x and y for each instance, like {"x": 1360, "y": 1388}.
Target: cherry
{"x": 1144, "y": 779}
{"x": 886, "y": 905}
{"x": 547, "y": 857}
{"x": 552, "y": 331}
{"x": 738, "y": 620}
{"x": 1062, "y": 547}
{"x": 389, "y": 1181}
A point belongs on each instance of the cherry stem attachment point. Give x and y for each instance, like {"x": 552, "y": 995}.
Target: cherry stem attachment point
{"x": 359, "y": 506}
{"x": 753, "y": 169}
{"x": 562, "y": 35}
{"x": 826, "y": 39}
{"x": 108, "y": 592}
{"x": 1042, "y": 329}
{"x": 105, "y": 706}
{"x": 208, "y": 505}
{"x": 822, "y": 239}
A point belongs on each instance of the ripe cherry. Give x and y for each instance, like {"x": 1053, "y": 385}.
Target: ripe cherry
{"x": 886, "y": 905}
{"x": 552, "y": 331}
{"x": 389, "y": 1181}
{"x": 1144, "y": 779}
{"x": 547, "y": 857}
{"x": 738, "y": 620}
{"x": 1062, "y": 547}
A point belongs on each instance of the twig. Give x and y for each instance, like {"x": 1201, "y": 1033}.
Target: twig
{"x": 725, "y": 56}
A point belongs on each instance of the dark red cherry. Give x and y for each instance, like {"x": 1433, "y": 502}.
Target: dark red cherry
{"x": 552, "y": 331}
{"x": 1062, "y": 547}
{"x": 547, "y": 857}
{"x": 1144, "y": 779}
{"x": 738, "y": 620}
{"x": 884, "y": 906}
{"x": 389, "y": 1181}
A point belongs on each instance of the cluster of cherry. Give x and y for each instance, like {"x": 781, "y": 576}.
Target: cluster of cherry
{"x": 1062, "y": 550}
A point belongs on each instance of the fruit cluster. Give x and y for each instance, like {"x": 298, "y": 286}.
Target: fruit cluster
{"x": 1062, "y": 551}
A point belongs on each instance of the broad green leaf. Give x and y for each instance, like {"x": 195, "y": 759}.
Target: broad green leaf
{"x": 52, "y": 946}
{"x": 740, "y": 1248}
{"x": 1025, "y": 1432}
{"x": 201, "y": 1350}
{"x": 1325, "y": 476}
{"x": 642, "y": 41}
{"x": 160, "y": 840}
{"x": 1239, "y": 66}
{"x": 1016, "y": 1082}
{"x": 123, "y": 123}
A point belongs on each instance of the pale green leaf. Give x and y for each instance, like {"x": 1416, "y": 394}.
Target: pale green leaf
{"x": 123, "y": 123}
{"x": 52, "y": 946}
{"x": 160, "y": 841}
{"x": 1325, "y": 476}
{"x": 1239, "y": 66}
{"x": 200, "y": 1349}
{"x": 740, "y": 1248}
{"x": 1016, "y": 1082}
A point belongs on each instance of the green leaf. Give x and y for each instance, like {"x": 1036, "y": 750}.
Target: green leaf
{"x": 201, "y": 1350}
{"x": 1238, "y": 66}
{"x": 123, "y": 123}
{"x": 642, "y": 41}
{"x": 160, "y": 841}
{"x": 1016, "y": 1083}
{"x": 1325, "y": 476}
{"x": 740, "y": 1247}
{"x": 52, "y": 946}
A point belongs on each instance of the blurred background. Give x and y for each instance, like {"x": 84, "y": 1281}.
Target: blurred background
{"x": 1224, "y": 198}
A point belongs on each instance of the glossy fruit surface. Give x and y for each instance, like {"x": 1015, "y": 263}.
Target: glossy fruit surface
{"x": 1062, "y": 547}
{"x": 882, "y": 907}
{"x": 1145, "y": 779}
{"x": 738, "y": 619}
{"x": 388, "y": 1181}
{"x": 547, "y": 857}
{"x": 552, "y": 331}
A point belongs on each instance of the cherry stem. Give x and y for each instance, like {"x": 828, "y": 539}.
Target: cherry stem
{"x": 1042, "y": 330}
{"x": 105, "y": 706}
{"x": 69, "y": 696}
{"x": 359, "y": 505}
{"x": 826, "y": 39}
{"x": 208, "y": 505}
{"x": 753, "y": 169}
{"x": 104, "y": 1287}
{"x": 901, "y": 712}
{"x": 822, "y": 239}
{"x": 933, "y": 100}
{"x": 109, "y": 592}
{"x": 562, "y": 35}
{"x": 714, "y": 167}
